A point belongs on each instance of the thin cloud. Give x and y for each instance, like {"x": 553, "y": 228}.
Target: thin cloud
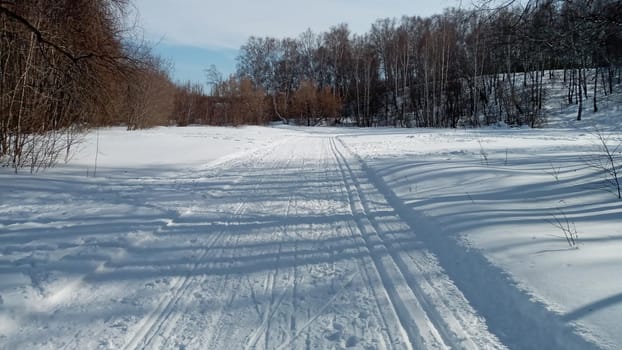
{"x": 228, "y": 23}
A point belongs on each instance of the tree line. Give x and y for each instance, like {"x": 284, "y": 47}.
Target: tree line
{"x": 69, "y": 65}
{"x": 462, "y": 67}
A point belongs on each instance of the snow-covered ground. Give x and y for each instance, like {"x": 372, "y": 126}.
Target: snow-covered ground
{"x": 319, "y": 238}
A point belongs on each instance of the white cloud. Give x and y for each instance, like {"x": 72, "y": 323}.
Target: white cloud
{"x": 228, "y": 23}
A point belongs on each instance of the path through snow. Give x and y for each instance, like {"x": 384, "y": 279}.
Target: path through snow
{"x": 296, "y": 245}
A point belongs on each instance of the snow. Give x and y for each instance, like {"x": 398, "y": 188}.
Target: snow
{"x": 505, "y": 211}
{"x": 293, "y": 238}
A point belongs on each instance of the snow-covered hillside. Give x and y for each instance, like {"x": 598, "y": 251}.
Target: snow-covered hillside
{"x": 294, "y": 238}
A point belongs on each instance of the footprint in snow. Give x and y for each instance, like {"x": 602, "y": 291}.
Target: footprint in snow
{"x": 333, "y": 336}
{"x": 352, "y": 341}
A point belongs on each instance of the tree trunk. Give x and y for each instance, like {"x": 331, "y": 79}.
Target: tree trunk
{"x": 276, "y": 110}
{"x": 580, "y": 97}
{"x": 595, "y": 87}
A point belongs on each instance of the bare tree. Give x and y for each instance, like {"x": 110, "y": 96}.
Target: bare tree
{"x": 461, "y": 67}
{"x": 608, "y": 159}
{"x": 59, "y": 66}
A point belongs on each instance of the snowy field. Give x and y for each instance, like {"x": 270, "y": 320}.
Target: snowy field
{"x": 319, "y": 238}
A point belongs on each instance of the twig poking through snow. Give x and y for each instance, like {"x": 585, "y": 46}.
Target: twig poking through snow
{"x": 568, "y": 227}
{"x": 555, "y": 171}
{"x": 483, "y": 153}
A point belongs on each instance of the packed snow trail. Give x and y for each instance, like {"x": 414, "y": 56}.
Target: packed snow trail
{"x": 292, "y": 246}
{"x": 304, "y": 260}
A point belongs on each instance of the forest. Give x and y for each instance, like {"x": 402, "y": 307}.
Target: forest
{"x": 459, "y": 68}
{"x": 67, "y": 66}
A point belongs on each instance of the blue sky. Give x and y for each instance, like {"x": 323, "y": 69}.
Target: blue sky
{"x": 194, "y": 34}
{"x": 190, "y": 62}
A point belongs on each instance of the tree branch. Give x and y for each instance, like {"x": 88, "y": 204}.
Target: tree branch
{"x": 42, "y": 40}
{"x": 34, "y": 30}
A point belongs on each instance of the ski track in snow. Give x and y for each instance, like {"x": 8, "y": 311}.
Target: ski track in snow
{"x": 292, "y": 246}
{"x": 157, "y": 329}
{"x": 408, "y": 317}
